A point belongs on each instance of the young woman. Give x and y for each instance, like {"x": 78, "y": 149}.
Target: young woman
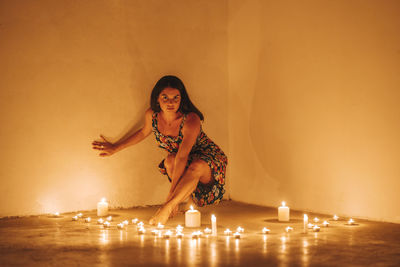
{"x": 195, "y": 165}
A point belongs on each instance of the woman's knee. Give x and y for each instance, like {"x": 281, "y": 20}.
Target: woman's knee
{"x": 199, "y": 168}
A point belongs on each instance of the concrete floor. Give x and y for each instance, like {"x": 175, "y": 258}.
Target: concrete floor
{"x": 44, "y": 241}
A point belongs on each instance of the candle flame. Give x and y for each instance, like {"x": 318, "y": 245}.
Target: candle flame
{"x": 283, "y": 203}
{"x": 191, "y": 207}
{"x": 103, "y": 199}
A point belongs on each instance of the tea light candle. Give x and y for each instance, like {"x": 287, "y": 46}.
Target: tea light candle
{"x": 102, "y": 208}
{"x": 88, "y": 219}
{"x": 316, "y": 228}
{"x": 325, "y": 223}
{"x": 100, "y": 221}
{"x": 195, "y": 234}
{"x": 167, "y": 234}
{"x": 289, "y": 229}
{"x": 214, "y": 225}
{"x": 305, "y": 223}
{"x": 351, "y": 222}
{"x": 236, "y": 235}
{"x": 240, "y": 230}
{"x": 56, "y": 215}
{"x": 160, "y": 226}
{"x": 179, "y": 228}
{"x": 120, "y": 226}
{"x": 106, "y": 224}
{"x": 126, "y": 222}
{"x": 227, "y": 232}
{"x": 192, "y": 218}
{"x": 335, "y": 217}
{"x": 154, "y": 232}
{"x": 179, "y": 234}
{"x": 316, "y": 220}
{"x": 135, "y": 221}
{"x": 79, "y": 215}
{"x": 265, "y": 230}
{"x": 141, "y": 231}
{"x": 109, "y": 218}
{"x": 75, "y": 218}
{"x": 283, "y": 213}
{"x": 140, "y": 224}
{"x": 310, "y": 226}
{"x": 207, "y": 231}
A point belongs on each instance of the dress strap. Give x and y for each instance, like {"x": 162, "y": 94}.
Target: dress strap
{"x": 182, "y": 123}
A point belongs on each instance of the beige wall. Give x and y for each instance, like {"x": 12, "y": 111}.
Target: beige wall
{"x": 314, "y": 114}
{"x": 71, "y": 70}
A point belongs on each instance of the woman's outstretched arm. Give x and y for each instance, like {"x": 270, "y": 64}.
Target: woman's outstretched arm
{"x": 108, "y": 148}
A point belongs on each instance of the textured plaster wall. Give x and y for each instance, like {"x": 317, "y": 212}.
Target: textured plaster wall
{"x": 71, "y": 70}
{"x": 314, "y": 114}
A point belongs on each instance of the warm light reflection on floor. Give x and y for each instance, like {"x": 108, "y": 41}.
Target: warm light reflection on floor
{"x": 265, "y": 244}
{"x": 167, "y": 251}
{"x": 104, "y": 237}
{"x": 305, "y": 257}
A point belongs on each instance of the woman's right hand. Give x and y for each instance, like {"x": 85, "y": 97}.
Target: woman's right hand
{"x": 107, "y": 148}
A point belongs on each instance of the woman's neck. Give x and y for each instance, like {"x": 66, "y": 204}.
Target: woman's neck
{"x": 169, "y": 118}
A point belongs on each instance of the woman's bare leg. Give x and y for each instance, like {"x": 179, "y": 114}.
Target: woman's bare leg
{"x": 197, "y": 171}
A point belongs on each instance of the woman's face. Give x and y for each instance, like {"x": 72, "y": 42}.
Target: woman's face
{"x": 169, "y": 99}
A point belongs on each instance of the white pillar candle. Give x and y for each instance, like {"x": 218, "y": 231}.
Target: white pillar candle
{"x": 283, "y": 213}
{"x": 192, "y": 218}
{"x": 102, "y": 208}
{"x": 214, "y": 225}
{"x": 305, "y": 224}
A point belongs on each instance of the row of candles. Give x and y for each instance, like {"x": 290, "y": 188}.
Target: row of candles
{"x": 193, "y": 219}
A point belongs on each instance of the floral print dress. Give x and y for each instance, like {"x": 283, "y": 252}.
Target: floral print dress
{"x": 204, "y": 149}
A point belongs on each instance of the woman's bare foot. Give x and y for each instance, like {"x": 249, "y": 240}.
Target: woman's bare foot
{"x": 161, "y": 215}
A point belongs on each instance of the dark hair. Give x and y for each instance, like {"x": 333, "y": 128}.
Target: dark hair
{"x": 186, "y": 105}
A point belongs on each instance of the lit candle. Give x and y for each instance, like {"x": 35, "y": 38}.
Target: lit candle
{"x": 56, "y": 214}
{"x": 126, "y": 222}
{"x": 236, "y": 235}
{"x": 154, "y": 232}
{"x": 240, "y": 230}
{"x": 106, "y": 224}
{"x": 192, "y": 218}
{"x": 289, "y": 229}
{"x": 120, "y": 226}
{"x": 316, "y": 228}
{"x": 140, "y": 224}
{"x": 283, "y": 213}
{"x": 179, "y": 228}
{"x": 207, "y": 231}
{"x": 305, "y": 224}
{"x": 325, "y": 223}
{"x": 227, "y": 232}
{"x": 102, "y": 208}
{"x": 167, "y": 234}
{"x": 195, "y": 234}
{"x": 135, "y": 221}
{"x": 141, "y": 231}
{"x": 179, "y": 234}
{"x": 109, "y": 218}
{"x": 214, "y": 225}
{"x": 316, "y": 220}
{"x": 100, "y": 221}
{"x": 335, "y": 217}
{"x": 265, "y": 230}
{"x": 88, "y": 219}
{"x": 160, "y": 226}
{"x": 75, "y": 218}
{"x": 351, "y": 222}
{"x": 79, "y": 215}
